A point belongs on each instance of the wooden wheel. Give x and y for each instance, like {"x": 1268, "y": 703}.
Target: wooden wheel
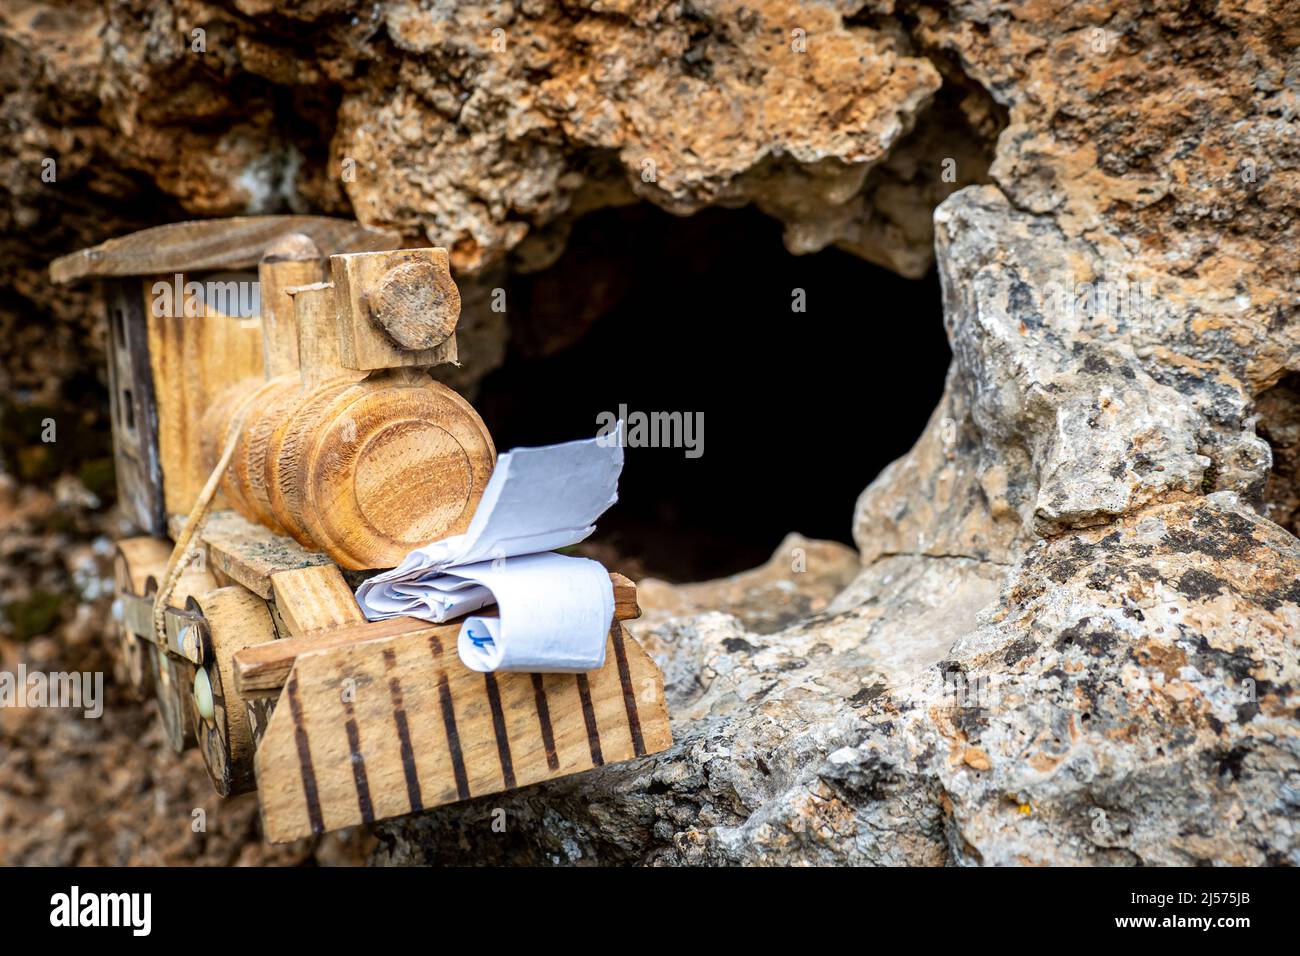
{"x": 235, "y": 618}
{"x": 134, "y": 561}
{"x": 167, "y": 682}
{"x": 173, "y": 677}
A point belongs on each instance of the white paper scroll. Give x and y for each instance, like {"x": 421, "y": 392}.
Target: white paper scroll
{"x": 554, "y": 611}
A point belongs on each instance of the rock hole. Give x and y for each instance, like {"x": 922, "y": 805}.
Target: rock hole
{"x": 800, "y": 410}
{"x": 1279, "y": 424}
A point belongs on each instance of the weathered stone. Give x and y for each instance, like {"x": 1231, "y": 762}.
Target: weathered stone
{"x": 787, "y": 107}
{"x": 800, "y": 580}
{"x": 1128, "y": 695}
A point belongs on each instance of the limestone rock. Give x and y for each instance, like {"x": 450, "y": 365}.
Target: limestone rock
{"x": 1135, "y": 691}
{"x": 800, "y": 580}
{"x": 1127, "y": 696}
{"x": 702, "y": 103}
{"x": 1074, "y": 638}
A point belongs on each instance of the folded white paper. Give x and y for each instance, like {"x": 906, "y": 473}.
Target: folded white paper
{"x": 554, "y": 611}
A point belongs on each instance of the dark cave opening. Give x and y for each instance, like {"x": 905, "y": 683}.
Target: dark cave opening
{"x": 800, "y": 410}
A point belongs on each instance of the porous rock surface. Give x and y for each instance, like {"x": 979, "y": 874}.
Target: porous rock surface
{"x": 1075, "y": 635}
{"x": 1072, "y": 636}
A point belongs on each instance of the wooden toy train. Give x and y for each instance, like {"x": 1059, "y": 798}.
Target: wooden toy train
{"x": 274, "y": 447}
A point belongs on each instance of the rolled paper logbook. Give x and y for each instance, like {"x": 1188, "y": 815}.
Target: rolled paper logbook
{"x": 554, "y": 611}
{"x": 554, "y": 615}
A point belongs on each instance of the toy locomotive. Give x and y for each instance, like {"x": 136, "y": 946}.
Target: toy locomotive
{"x": 276, "y": 436}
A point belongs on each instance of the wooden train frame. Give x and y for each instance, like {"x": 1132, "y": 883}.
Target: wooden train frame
{"x": 260, "y": 656}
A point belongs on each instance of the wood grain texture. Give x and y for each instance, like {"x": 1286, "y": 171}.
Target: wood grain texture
{"x": 194, "y": 361}
{"x": 244, "y": 482}
{"x": 266, "y": 667}
{"x": 318, "y": 341}
{"x": 249, "y": 554}
{"x": 393, "y": 463}
{"x": 314, "y": 599}
{"x": 134, "y": 562}
{"x": 186, "y": 633}
{"x": 258, "y": 708}
{"x": 416, "y": 303}
{"x": 213, "y": 244}
{"x": 626, "y": 607}
{"x": 387, "y": 727}
{"x": 359, "y": 280}
{"x": 291, "y": 262}
{"x": 365, "y": 471}
{"x": 141, "y": 559}
{"x": 213, "y": 429}
{"x": 287, "y": 447}
{"x": 171, "y": 679}
{"x": 230, "y": 406}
